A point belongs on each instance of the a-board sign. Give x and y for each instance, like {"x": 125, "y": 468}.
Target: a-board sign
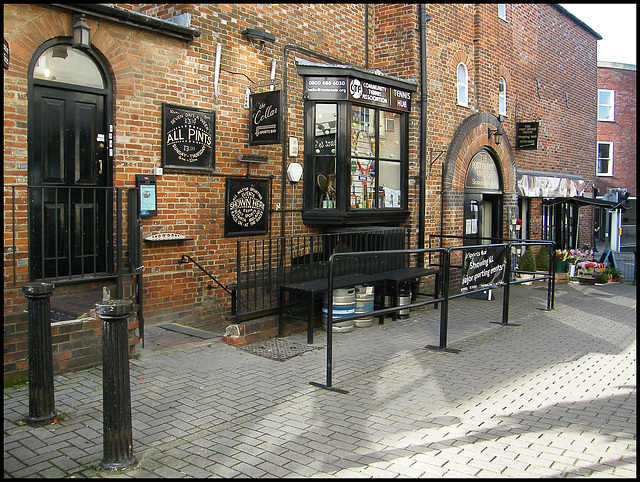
{"x": 483, "y": 268}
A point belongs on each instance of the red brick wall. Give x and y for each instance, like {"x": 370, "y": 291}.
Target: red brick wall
{"x": 622, "y": 132}
{"x": 75, "y": 345}
{"x": 536, "y": 41}
{"x": 149, "y": 69}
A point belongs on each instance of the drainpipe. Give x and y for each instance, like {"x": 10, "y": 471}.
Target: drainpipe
{"x": 423, "y": 19}
{"x": 366, "y": 35}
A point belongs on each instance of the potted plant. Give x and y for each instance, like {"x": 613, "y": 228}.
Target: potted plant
{"x": 616, "y": 275}
{"x": 602, "y": 277}
{"x": 527, "y": 263}
{"x": 560, "y": 260}
{"x": 572, "y": 260}
{"x": 542, "y": 260}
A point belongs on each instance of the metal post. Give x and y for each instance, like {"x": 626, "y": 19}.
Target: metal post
{"x": 116, "y": 390}
{"x": 507, "y": 287}
{"x": 41, "y": 400}
{"x": 444, "y": 311}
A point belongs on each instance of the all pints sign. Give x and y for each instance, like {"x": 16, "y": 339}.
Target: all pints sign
{"x": 188, "y": 137}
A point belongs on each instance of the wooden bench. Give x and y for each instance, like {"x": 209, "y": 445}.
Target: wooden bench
{"x": 312, "y": 288}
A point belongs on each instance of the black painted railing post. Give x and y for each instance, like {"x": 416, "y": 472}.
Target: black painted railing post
{"x": 41, "y": 400}
{"x": 116, "y": 389}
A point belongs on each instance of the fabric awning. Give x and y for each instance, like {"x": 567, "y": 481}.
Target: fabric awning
{"x": 548, "y": 184}
{"x": 584, "y": 201}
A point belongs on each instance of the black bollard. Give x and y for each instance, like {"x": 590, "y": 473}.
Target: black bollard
{"x": 41, "y": 402}
{"x": 116, "y": 389}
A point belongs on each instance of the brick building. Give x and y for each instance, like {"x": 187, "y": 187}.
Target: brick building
{"x": 616, "y": 160}
{"x": 186, "y": 119}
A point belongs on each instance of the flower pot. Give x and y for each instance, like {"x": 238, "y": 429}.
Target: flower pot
{"x": 559, "y": 265}
{"x": 572, "y": 270}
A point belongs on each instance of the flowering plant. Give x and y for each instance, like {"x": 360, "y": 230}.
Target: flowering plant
{"x": 519, "y": 222}
{"x": 572, "y": 258}
{"x": 587, "y": 264}
{"x": 561, "y": 255}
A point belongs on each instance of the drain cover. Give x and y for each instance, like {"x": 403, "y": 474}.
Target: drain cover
{"x": 277, "y": 349}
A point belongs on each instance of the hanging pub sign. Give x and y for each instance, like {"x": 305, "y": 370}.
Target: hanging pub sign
{"x": 264, "y": 124}
{"x": 483, "y": 268}
{"x": 527, "y": 135}
{"x": 188, "y": 136}
{"x": 247, "y": 206}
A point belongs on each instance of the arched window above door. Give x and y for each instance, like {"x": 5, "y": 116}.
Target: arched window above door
{"x": 62, "y": 63}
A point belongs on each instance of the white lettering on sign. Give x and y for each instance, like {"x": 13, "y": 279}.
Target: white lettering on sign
{"x": 189, "y": 135}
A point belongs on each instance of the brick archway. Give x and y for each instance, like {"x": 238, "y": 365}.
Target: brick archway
{"x": 471, "y": 135}
{"x": 59, "y": 24}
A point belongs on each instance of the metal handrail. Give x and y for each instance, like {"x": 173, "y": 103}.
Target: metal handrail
{"x": 183, "y": 260}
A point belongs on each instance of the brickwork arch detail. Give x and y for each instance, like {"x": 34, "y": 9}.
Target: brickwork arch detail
{"x": 471, "y": 135}
{"x": 460, "y": 56}
{"x": 54, "y": 24}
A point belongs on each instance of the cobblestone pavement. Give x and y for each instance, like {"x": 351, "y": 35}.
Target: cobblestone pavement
{"x": 554, "y": 396}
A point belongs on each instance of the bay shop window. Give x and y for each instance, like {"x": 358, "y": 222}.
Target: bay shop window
{"x": 356, "y": 150}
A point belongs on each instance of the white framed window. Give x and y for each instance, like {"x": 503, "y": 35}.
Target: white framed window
{"x": 606, "y": 105}
{"x": 463, "y": 85}
{"x": 502, "y": 96}
{"x": 604, "y": 165}
{"x": 502, "y": 11}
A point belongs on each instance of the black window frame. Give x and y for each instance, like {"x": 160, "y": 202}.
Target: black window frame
{"x": 334, "y": 84}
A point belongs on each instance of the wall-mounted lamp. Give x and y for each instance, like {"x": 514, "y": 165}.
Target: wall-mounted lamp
{"x": 81, "y": 34}
{"x": 259, "y": 36}
{"x": 496, "y": 135}
{"x": 294, "y": 172}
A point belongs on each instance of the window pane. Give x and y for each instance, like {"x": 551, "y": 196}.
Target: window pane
{"x": 363, "y": 183}
{"x": 603, "y": 150}
{"x": 502, "y": 97}
{"x": 363, "y": 134}
{"x": 62, "y": 63}
{"x": 605, "y": 158}
{"x": 604, "y": 112}
{"x": 390, "y": 184}
{"x": 463, "y": 98}
{"x": 325, "y": 152}
{"x": 389, "y": 135}
{"x": 604, "y": 97}
{"x": 606, "y": 105}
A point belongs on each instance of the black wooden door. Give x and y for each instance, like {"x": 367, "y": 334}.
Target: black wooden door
{"x": 70, "y": 205}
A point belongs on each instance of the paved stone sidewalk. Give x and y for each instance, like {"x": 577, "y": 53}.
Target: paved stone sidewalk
{"x": 554, "y": 396}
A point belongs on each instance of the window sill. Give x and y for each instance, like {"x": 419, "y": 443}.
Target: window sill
{"x": 334, "y": 217}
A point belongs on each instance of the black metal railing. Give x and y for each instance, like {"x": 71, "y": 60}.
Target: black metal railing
{"x": 41, "y": 244}
{"x": 264, "y": 264}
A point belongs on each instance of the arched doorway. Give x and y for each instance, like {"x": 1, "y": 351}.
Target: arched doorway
{"x": 70, "y": 154}
{"x": 482, "y": 200}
